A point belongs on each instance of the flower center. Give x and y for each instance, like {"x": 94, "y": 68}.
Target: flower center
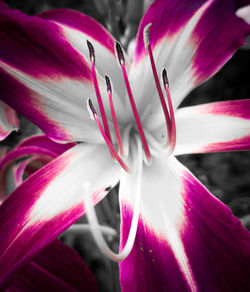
{"x": 134, "y": 139}
{"x": 147, "y": 139}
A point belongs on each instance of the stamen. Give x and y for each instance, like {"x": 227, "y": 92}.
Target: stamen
{"x": 98, "y": 95}
{"x": 117, "y": 132}
{"x": 171, "y": 110}
{"x": 157, "y": 82}
{"x": 110, "y": 145}
{"x": 132, "y": 102}
{"x": 92, "y": 218}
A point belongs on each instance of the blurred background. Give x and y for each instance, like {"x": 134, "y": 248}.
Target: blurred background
{"x": 226, "y": 175}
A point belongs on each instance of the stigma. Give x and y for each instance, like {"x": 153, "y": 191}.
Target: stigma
{"x": 117, "y": 149}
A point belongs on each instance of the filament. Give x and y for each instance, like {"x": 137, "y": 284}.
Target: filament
{"x": 116, "y": 127}
{"x": 132, "y": 102}
{"x": 157, "y": 82}
{"x": 98, "y": 95}
{"x": 171, "y": 110}
{"x": 110, "y": 145}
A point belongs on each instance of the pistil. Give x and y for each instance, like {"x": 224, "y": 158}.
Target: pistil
{"x": 121, "y": 60}
{"x": 93, "y": 220}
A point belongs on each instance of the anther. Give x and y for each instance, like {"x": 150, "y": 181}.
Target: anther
{"x": 98, "y": 95}
{"x": 171, "y": 111}
{"x": 120, "y": 54}
{"x": 146, "y": 39}
{"x": 116, "y": 127}
{"x": 92, "y": 110}
{"x": 91, "y": 51}
{"x": 165, "y": 78}
{"x": 132, "y": 102}
{"x": 108, "y": 83}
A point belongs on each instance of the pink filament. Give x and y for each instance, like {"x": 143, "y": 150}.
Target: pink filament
{"x": 171, "y": 110}
{"x": 132, "y": 102}
{"x": 98, "y": 95}
{"x": 117, "y": 132}
{"x": 110, "y": 145}
{"x": 158, "y": 86}
{"x": 168, "y": 110}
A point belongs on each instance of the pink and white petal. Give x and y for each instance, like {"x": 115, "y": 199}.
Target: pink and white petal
{"x": 152, "y": 265}
{"x": 187, "y": 240}
{"x": 44, "y": 78}
{"x": 60, "y": 111}
{"x": 8, "y": 120}
{"x": 43, "y": 141}
{"x": 56, "y": 268}
{"x": 8, "y": 180}
{"x": 184, "y": 36}
{"x": 50, "y": 200}
{"x": 218, "y": 126}
{"x": 78, "y": 28}
{"x": 224, "y": 241}
{"x": 48, "y": 54}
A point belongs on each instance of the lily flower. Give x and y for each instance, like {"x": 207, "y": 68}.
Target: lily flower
{"x": 175, "y": 235}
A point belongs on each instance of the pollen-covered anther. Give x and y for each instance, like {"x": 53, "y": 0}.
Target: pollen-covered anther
{"x": 171, "y": 111}
{"x": 116, "y": 126}
{"x": 114, "y": 153}
{"x": 146, "y": 35}
{"x": 132, "y": 102}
